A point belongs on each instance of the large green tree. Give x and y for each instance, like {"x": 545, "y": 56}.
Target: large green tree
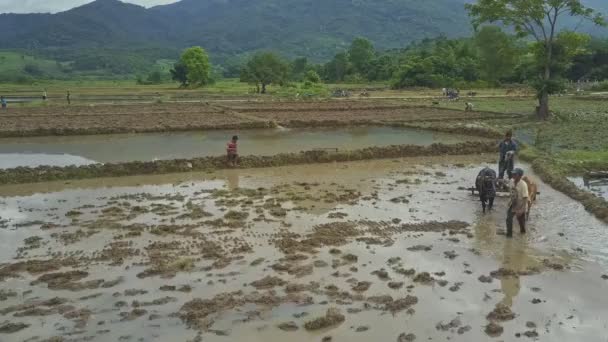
{"x": 498, "y": 53}
{"x": 361, "y": 54}
{"x": 539, "y": 19}
{"x": 197, "y": 64}
{"x": 263, "y": 69}
{"x": 337, "y": 68}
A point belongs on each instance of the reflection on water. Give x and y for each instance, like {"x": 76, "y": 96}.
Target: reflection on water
{"x": 146, "y": 147}
{"x": 12, "y": 160}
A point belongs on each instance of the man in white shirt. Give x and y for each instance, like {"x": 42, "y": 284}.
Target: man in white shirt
{"x": 519, "y": 203}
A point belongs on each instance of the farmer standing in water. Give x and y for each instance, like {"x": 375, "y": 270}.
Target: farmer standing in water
{"x": 232, "y": 151}
{"x": 504, "y": 163}
{"x": 519, "y": 203}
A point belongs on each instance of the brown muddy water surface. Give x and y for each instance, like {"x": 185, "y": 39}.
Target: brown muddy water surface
{"x": 377, "y": 250}
{"x": 82, "y": 150}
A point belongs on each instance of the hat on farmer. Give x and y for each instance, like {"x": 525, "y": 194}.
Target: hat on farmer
{"x": 518, "y": 172}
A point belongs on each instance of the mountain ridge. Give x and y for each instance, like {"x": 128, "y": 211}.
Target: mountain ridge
{"x": 312, "y": 28}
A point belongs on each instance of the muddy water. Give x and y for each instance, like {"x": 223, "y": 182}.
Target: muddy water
{"x": 596, "y": 186}
{"x": 145, "y": 147}
{"x": 382, "y": 198}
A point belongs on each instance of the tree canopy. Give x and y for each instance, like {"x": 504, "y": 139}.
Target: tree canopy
{"x": 197, "y": 65}
{"x": 263, "y": 69}
{"x": 540, "y": 20}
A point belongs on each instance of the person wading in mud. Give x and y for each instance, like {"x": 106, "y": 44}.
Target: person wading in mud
{"x": 232, "y": 151}
{"x": 506, "y": 146}
{"x": 68, "y": 98}
{"x": 3, "y": 102}
{"x": 519, "y": 203}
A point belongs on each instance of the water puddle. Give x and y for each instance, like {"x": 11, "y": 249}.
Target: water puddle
{"x": 257, "y": 255}
{"x": 12, "y": 160}
{"x": 146, "y": 147}
{"x": 596, "y": 186}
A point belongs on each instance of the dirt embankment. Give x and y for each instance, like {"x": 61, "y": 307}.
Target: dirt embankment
{"x": 104, "y": 119}
{"x": 547, "y": 172}
{"x": 47, "y": 173}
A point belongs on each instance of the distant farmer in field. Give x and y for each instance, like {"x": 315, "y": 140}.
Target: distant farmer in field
{"x": 232, "y": 151}
{"x": 67, "y": 97}
{"x": 3, "y": 102}
{"x": 518, "y": 204}
{"x": 507, "y": 148}
{"x": 468, "y": 107}
{"x": 44, "y": 95}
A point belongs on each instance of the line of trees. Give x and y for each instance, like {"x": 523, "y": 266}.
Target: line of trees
{"x": 537, "y": 53}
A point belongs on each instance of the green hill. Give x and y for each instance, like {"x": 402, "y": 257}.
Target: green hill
{"x": 312, "y": 28}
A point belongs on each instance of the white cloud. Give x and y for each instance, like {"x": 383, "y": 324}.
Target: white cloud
{"x": 30, "y": 6}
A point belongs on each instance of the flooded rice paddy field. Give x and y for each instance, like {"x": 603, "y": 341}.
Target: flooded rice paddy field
{"x": 598, "y": 187}
{"x": 386, "y": 250}
{"x": 82, "y": 150}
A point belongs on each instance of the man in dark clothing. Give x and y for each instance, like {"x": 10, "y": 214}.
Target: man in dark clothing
{"x": 507, "y": 148}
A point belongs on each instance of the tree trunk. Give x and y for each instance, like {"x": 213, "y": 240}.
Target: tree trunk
{"x": 543, "y": 105}
{"x": 543, "y": 96}
{"x": 263, "y": 88}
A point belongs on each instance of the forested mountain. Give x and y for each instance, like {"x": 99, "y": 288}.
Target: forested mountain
{"x": 314, "y": 28}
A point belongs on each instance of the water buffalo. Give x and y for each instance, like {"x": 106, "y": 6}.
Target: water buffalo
{"x": 485, "y": 183}
{"x": 532, "y": 191}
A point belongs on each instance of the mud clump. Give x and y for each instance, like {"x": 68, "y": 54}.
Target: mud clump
{"x": 350, "y": 258}
{"x": 195, "y": 312}
{"x": 401, "y": 304}
{"x": 485, "y": 279}
{"x": 419, "y": 248}
{"x": 501, "y": 313}
{"x": 454, "y": 227}
{"x": 395, "y": 285}
{"x": 268, "y": 282}
{"x": 236, "y": 215}
{"x": 6, "y": 294}
{"x": 408, "y": 273}
{"x": 288, "y": 326}
{"x": 406, "y": 338}
{"x": 68, "y": 281}
{"x": 494, "y": 330}
{"x": 362, "y": 286}
{"x": 503, "y": 273}
{"x": 424, "y": 278}
{"x": 257, "y": 262}
{"x": 332, "y": 317}
{"x": 531, "y": 334}
{"x": 133, "y": 315}
{"x": 10, "y": 328}
{"x": 450, "y": 255}
{"x": 455, "y": 323}
{"x": 381, "y": 274}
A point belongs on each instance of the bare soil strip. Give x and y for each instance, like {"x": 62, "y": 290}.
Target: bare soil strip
{"x": 104, "y": 119}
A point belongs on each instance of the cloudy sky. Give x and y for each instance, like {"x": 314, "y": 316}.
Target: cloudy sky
{"x": 28, "y": 6}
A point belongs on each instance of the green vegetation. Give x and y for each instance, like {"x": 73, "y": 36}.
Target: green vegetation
{"x": 263, "y": 69}
{"x": 195, "y": 61}
{"x": 539, "y": 19}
